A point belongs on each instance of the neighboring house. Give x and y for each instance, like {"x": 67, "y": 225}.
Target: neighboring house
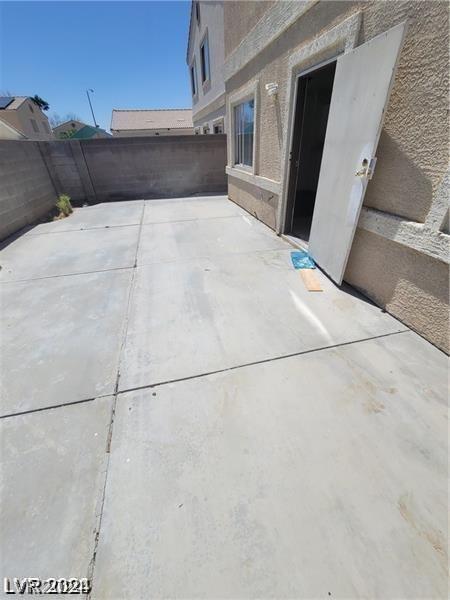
{"x": 205, "y": 56}
{"x": 88, "y": 132}
{"x": 8, "y": 132}
{"x": 310, "y": 86}
{"x": 74, "y": 129}
{"x": 24, "y": 115}
{"x": 137, "y": 122}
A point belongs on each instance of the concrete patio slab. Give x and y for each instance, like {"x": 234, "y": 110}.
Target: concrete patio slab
{"x": 162, "y": 242}
{"x": 53, "y": 472}
{"x": 316, "y": 476}
{"x": 96, "y": 216}
{"x": 70, "y": 252}
{"x": 185, "y": 209}
{"x": 322, "y": 474}
{"x": 61, "y": 338}
{"x": 192, "y": 317}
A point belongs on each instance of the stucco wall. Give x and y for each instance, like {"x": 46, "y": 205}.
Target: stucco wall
{"x": 26, "y": 189}
{"x": 258, "y": 202}
{"x": 211, "y": 21}
{"x": 239, "y": 18}
{"x": 413, "y": 149}
{"x": 410, "y": 285}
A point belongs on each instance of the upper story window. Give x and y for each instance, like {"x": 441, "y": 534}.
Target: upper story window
{"x": 218, "y": 127}
{"x": 244, "y": 122}
{"x": 193, "y": 79}
{"x": 204, "y": 59}
{"x": 197, "y": 12}
{"x": 31, "y": 108}
{"x": 34, "y": 125}
{"x": 45, "y": 126}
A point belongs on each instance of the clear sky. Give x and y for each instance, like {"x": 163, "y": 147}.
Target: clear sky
{"x": 132, "y": 54}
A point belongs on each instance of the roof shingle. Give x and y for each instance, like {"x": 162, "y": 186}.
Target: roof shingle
{"x": 172, "y": 118}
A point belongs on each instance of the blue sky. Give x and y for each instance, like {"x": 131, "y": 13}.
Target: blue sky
{"x": 132, "y": 54}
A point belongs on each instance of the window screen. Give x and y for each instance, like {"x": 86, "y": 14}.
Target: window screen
{"x": 204, "y": 57}
{"x": 193, "y": 80}
{"x": 243, "y": 133}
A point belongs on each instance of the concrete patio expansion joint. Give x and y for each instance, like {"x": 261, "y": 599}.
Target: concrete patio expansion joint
{"x": 6, "y": 282}
{"x": 261, "y": 362}
{"x": 83, "y": 229}
{"x": 118, "y": 392}
{"x": 91, "y": 568}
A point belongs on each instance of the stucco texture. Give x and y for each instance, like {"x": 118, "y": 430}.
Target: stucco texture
{"x": 412, "y": 152}
{"x": 239, "y": 18}
{"x": 410, "y": 285}
{"x": 259, "y": 203}
{"x": 413, "y": 149}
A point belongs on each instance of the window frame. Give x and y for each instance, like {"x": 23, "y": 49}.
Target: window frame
{"x": 34, "y": 125}
{"x": 194, "y": 79}
{"x": 218, "y": 123}
{"x": 239, "y": 158}
{"x": 197, "y": 12}
{"x": 247, "y": 92}
{"x": 205, "y": 54}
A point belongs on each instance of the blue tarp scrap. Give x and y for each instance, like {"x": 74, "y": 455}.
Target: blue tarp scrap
{"x": 302, "y": 260}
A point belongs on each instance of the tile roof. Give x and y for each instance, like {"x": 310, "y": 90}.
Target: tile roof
{"x": 170, "y": 118}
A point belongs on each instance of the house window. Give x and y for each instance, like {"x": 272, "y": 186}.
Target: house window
{"x": 244, "y": 114}
{"x": 34, "y": 125}
{"x": 204, "y": 59}
{"x": 31, "y": 108}
{"x": 193, "y": 80}
{"x": 218, "y": 127}
{"x": 197, "y": 12}
{"x": 45, "y": 126}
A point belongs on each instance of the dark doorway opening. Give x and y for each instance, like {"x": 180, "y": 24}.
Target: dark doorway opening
{"x": 310, "y": 124}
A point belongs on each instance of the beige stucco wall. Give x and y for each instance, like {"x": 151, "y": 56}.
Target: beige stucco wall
{"x": 412, "y": 153}
{"x": 410, "y": 285}
{"x": 260, "y": 203}
{"x": 239, "y": 18}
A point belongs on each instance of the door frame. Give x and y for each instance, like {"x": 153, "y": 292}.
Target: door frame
{"x": 297, "y": 128}
{"x": 327, "y": 47}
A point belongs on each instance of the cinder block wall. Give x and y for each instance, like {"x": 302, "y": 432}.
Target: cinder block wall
{"x": 151, "y": 167}
{"x": 33, "y": 174}
{"x": 26, "y": 188}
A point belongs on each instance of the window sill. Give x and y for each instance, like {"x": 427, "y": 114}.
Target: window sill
{"x": 248, "y": 176}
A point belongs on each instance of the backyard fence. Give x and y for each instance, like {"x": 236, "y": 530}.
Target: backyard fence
{"x": 33, "y": 174}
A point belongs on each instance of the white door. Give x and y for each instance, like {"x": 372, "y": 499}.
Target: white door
{"x": 361, "y": 89}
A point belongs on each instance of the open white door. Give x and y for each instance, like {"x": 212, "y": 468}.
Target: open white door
{"x": 361, "y": 89}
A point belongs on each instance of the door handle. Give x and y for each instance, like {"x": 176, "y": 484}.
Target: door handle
{"x": 368, "y": 168}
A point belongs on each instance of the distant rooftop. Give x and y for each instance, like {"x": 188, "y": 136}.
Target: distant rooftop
{"x": 137, "y": 119}
{"x": 88, "y": 131}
